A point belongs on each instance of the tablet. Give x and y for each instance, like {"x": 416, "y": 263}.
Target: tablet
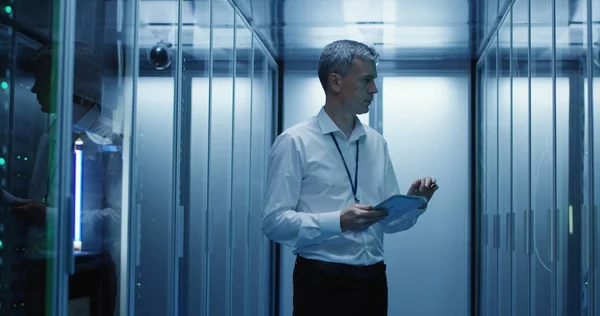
{"x": 398, "y": 205}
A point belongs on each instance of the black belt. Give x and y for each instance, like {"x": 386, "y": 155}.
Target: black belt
{"x": 340, "y": 269}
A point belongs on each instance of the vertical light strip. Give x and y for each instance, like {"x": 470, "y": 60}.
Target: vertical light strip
{"x": 570, "y": 219}
{"x": 78, "y": 187}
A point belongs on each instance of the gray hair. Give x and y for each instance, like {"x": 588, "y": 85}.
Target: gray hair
{"x": 338, "y": 56}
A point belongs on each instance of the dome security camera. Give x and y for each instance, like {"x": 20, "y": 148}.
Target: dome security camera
{"x": 160, "y": 55}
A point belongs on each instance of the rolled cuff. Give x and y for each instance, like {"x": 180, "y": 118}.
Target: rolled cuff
{"x": 330, "y": 223}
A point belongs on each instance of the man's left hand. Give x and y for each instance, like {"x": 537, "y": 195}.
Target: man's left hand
{"x": 424, "y": 187}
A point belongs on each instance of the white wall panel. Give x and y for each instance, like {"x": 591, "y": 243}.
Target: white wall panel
{"x": 425, "y": 122}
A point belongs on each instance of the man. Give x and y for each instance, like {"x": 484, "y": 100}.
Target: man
{"x": 324, "y": 176}
{"x": 100, "y": 194}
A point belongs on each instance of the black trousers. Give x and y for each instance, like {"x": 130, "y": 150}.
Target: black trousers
{"x": 328, "y": 289}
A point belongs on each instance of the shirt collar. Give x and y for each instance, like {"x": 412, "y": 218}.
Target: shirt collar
{"x": 328, "y": 126}
{"x": 91, "y": 122}
{"x": 85, "y": 123}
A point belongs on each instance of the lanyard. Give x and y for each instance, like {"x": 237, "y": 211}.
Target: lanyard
{"x": 355, "y": 184}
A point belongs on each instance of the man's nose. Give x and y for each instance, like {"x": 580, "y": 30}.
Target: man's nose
{"x": 373, "y": 89}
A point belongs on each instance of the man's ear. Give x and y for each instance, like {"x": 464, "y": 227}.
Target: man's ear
{"x": 335, "y": 82}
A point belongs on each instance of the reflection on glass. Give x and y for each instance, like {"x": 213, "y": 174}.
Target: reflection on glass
{"x": 553, "y": 184}
{"x": 591, "y": 258}
{"x": 492, "y": 14}
{"x": 195, "y": 130}
{"x": 66, "y": 144}
{"x": 521, "y": 170}
{"x": 259, "y": 12}
{"x": 66, "y": 168}
{"x": 491, "y": 199}
{"x": 241, "y": 168}
{"x": 570, "y": 76}
{"x": 541, "y": 164}
{"x": 485, "y": 240}
{"x": 25, "y": 161}
{"x": 219, "y": 198}
{"x": 271, "y": 119}
{"x": 504, "y": 165}
{"x": 156, "y": 150}
{"x": 154, "y": 180}
{"x": 542, "y": 158}
{"x": 257, "y": 179}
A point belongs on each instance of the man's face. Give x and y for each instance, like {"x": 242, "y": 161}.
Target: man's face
{"x": 357, "y": 88}
{"x": 43, "y": 88}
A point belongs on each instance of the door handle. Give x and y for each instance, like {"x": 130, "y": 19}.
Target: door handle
{"x": 137, "y": 233}
{"x": 510, "y": 231}
{"x": 232, "y": 229}
{"x": 180, "y": 230}
{"x": 513, "y": 221}
{"x": 119, "y": 53}
{"x": 496, "y": 231}
{"x": 208, "y": 247}
{"x": 248, "y": 243}
{"x": 485, "y": 229}
{"x": 527, "y": 227}
{"x": 552, "y": 223}
{"x": 507, "y": 239}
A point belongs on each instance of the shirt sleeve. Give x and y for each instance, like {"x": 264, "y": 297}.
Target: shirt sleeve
{"x": 9, "y": 198}
{"x": 396, "y": 224}
{"x": 280, "y": 221}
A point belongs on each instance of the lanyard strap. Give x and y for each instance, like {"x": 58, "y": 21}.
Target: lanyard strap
{"x": 355, "y": 184}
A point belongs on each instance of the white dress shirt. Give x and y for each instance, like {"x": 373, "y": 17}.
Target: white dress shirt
{"x": 308, "y": 187}
{"x": 101, "y": 186}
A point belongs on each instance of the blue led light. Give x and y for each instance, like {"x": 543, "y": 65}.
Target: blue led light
{"x": 78, "y": 174}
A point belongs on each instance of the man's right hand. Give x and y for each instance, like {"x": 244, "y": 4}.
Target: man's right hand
{"x": 32, "y": 213}
{"x": 359, "y": 217}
